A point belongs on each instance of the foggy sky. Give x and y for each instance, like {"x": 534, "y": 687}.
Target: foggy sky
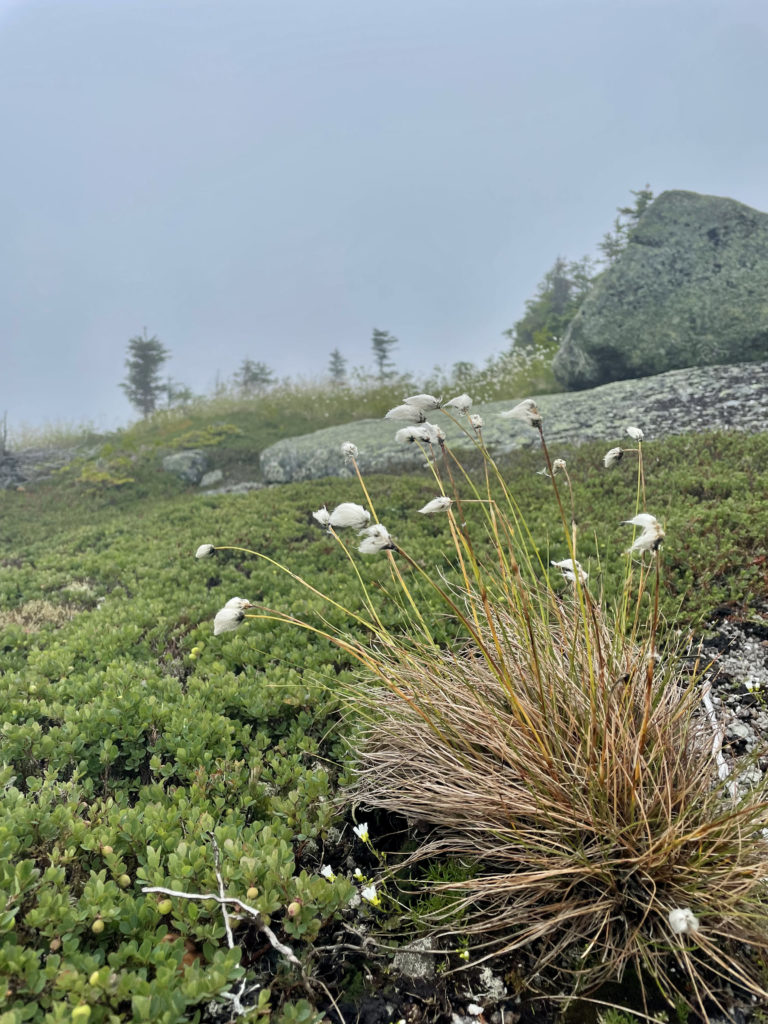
{"x": 271, "y": 179}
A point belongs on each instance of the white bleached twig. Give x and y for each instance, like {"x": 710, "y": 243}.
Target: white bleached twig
{"x": 723, "y": 771}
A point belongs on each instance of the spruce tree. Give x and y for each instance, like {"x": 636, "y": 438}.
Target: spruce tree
{"x": 143, "y": 385}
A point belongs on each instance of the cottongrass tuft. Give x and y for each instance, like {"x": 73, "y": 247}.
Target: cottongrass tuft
{"x": 570, "y": 568}
{"x": 407, "y": 413}
{"x": 205, "y": 551}
{"x": 425, "y": 403}
{"x": 349, "y": 514}
{"x": 651, "y": 536}
{"x": 612, "y": 457}
{"x": 635, "y": 433}
{"x": 441, "y": 504}
{"x": 377, "y": 539}
{"x": 527, "y": 411}
{"x": 227, "y": 619}
{"x": 461, "y": 403}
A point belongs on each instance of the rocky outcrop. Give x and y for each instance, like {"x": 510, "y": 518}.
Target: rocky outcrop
{"x": 30, "y": 465}
{"x": 690, "y": 289}
{"x": 679, "y": 402}
{"x": 189, "y": 466}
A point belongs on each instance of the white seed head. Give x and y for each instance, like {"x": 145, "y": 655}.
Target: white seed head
{"x": 652, "y": 533}
{"x": 441, "y": 504}
{"x": 566, "y": 566}
{"x": 238, "y": 602}
{"x": 407, "y": 413}
{"x": 424, "y": 433}
{"x": 349, "y": 451}
{"x": 349, "y": 514}
{"x": 476, "y": 421}
{"x": 461, "y": 403}
{"x": 377, "y": 538}
{"x": 322, "y": 516}
{"x": 559, "y": 464}
{"x": 205, "y": 551}
{"x": 635, "y": 433}
{"x": 612, "y": 457}
{"x": 527, "y": 411}
{"x": 683, "y": 921}
{"x": 227, "y": 619}
{"x": 426, "y": 403}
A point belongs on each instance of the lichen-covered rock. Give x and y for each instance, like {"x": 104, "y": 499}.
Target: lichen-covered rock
{"x": 679, "y": 402}
{"x": 189, "y": 466}
{"x": 690, "y": 289}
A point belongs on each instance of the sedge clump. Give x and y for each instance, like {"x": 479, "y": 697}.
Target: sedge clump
{"x": 561, "y": 748}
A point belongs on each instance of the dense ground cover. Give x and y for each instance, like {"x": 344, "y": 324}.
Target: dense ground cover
{"x": 131, "y": 736}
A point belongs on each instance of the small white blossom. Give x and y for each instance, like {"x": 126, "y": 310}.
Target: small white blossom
{"x": 377, "y": 538}
{"x": 349, "y": 451}
{"x": 408, "y": 413}
{"x": 349, "y": 514}
{"x": 566, "y": 566}
{"x": 369, "y": 894}
{"x": 426, "y": 403}
{"x": 474, "y": 1010}
{"x": 239, "y": 603}
{"x": 361, "y": 831}
{"x": 205, "y": 551}
{"x": 358, "y": 874}
{"x": 441, "y": 504}
{"x": 612, "y": 457}
{"x": 322, "y": 516}
{"x": 227, "y": 619}
{"x": 635, "y": 433}
{"x": 327, "y": 872}
{"x": 652, "y": 533}
{"x": 476, "y": 421}
{"x": 683, "y": 921}
{"x": 464, "y": 954}
{"x": 462, "y": 404}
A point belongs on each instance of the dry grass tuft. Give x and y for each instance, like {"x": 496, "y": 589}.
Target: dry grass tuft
{"x": 591, "y": 810}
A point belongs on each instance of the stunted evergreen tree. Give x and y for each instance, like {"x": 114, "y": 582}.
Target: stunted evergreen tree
{"x": 614, "y": 242}
{"x": 143, "y": 386}
{"x": 337, "y": 367}
{"x": 558, "y": 296}
{"x": 382, "y": 343}
{"x": 253, "y": 377}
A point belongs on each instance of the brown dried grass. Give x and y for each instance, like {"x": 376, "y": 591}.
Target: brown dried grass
{"x": 584, "y": 788}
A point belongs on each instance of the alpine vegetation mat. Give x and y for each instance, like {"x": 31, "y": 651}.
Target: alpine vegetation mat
{"x": 559, "y": 747}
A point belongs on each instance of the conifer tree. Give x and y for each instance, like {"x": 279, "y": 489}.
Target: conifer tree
{"x": 382, "y": 343}
{"x": 143, "y": 386}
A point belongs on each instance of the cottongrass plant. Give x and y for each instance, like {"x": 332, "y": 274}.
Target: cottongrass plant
{"x": 557, "y": 752}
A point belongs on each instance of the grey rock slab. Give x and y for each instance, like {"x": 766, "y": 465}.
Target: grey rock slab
{"x": 189, "y": 465}
{"x": 690, "y": 289}
{"x": 694, "y": 400}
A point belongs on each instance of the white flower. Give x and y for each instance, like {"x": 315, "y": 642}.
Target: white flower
{"x": 205, "y": 551}
{"x": 643, "y": 519}
{"x": 227, "y": 619}
{"x": 683, "y": 921}
{"x": 358, "y": 874}
{"x": 238, "y": 603}
{"x": 327, "y": 872}
{"x": 462, "y": 404}
{"x": 426, "y": 433}
{"x": 349, "y": 451}
{"x": 349, "y": 514}
{"x": 635, "y": 433}
{"x": 526, "y": 411}
{"x": 441, "y": 504}
{"x": 377, "y": 538}
{"x": 361, "y": 831}
{"x": 652, "y": 533}
{"x": 464, "y": 954}
{"x": 426, "y": 403}
{"x": 612, "y": 457}
{"x": 369, "y": 894}
{"x": 474, "y": 1010}
{"x": 409, "y": 413}
{"x": 476, "y": 421}
{"x": 322, "y": 516}
{"x": 566, "y": 566}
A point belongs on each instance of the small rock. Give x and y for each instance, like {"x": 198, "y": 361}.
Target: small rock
{"x": 416, "y": 960}
{"x": 189, "y": 466}
{"x": 214, "y": 477}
